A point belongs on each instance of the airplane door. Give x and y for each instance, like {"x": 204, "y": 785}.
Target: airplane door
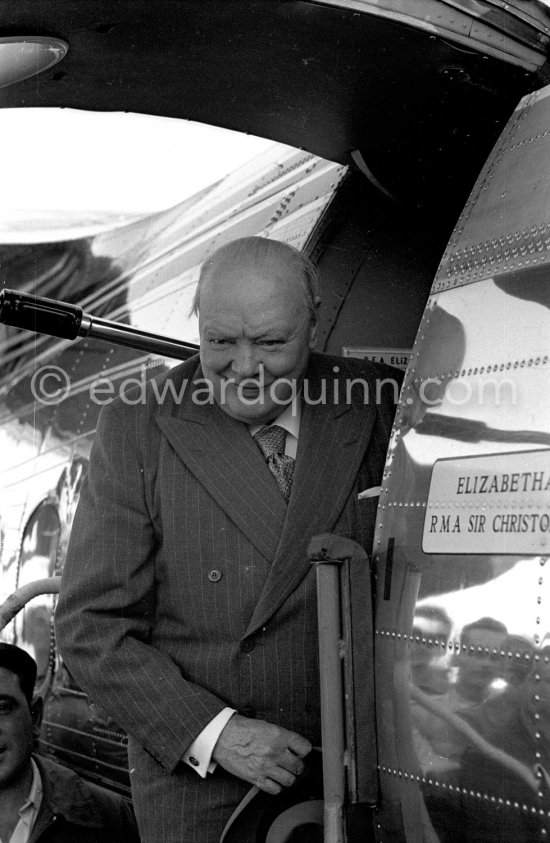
{"x": 462, "y": 550}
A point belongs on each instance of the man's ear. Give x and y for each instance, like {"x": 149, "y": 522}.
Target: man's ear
{"x": 37, "y": 710}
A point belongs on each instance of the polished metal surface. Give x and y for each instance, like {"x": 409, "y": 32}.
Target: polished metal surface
{"x": 490, "y": 242}
{"x": 501, "y": 29}
{"x": 463, "y": 541}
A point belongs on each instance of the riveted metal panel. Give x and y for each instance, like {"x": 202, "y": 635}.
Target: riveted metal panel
{"x": 462, "y": 547}
{"x": 492, "y": 28}
{"x": 505, "y": 225}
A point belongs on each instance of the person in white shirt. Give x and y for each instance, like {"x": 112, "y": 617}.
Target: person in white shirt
{"x": 39, "y": 799}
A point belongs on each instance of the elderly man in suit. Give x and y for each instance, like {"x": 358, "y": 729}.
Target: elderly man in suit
{"x": 188, "y": 606}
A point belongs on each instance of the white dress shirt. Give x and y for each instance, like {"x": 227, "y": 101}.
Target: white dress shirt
{"x": 28, "y": 811}
{"x": 199, "y": 754}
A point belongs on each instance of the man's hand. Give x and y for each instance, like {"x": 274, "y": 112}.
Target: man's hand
{"x": 260, "y": 753}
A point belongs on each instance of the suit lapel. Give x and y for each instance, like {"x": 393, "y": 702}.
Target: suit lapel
{"x": 222, "y": 455}
{"x": 332, "y": 442}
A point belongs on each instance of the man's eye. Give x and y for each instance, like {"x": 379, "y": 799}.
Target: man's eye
{"x": 219, "y": 342}
{"x": 6, "y": 707}
{"x": 271, "y": 343}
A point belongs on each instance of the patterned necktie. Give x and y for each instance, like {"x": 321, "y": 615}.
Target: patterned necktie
{"x": 271, "y": 442}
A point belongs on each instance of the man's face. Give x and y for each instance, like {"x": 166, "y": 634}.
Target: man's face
{"x": 16, "y": 730}
{"x": 479, "y": 670}
{"x": 255, "y": 337}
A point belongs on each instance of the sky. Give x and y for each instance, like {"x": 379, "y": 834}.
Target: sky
{"x": 71, "y": 161}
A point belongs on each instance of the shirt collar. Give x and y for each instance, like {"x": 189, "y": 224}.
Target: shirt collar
{"x": 34, "y": 799}
{"x": 289, "y": 419}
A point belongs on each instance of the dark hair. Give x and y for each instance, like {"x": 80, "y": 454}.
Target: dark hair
{"x": 17, "y": 661}
{"x": 485, "y": 624}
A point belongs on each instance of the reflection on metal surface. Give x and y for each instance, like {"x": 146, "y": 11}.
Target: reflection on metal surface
{"x": 22, "y": 56}
{"x": 462, "y": 622}
{"x": 479, "y": 717}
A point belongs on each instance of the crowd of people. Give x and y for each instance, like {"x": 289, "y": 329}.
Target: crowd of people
{"x": 479, "y": 717}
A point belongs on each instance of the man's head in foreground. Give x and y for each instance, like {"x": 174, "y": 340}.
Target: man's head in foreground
{"x": 257, "y": 304}
{"x": 18, "y": 714}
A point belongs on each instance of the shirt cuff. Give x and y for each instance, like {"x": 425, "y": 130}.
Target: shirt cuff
{"x": 199, "y": 754}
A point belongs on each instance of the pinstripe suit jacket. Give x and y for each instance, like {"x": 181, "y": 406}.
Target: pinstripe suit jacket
{"x": 175, "y": 492}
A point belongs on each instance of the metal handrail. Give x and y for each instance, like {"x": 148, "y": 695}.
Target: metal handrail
{"x": 22, "y": 595}
{"x": 17, "y": 601}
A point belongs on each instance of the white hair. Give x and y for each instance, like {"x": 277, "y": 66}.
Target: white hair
{"x": 257, "y": 250}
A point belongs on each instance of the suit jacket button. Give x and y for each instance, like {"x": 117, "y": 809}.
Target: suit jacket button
{"x": 214, "y": 575}
{"x": 247, "y": 646}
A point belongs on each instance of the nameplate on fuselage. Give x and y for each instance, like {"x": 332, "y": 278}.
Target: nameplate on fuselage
{"x": 498, "y": 503}
{"x": 398, "y": 357}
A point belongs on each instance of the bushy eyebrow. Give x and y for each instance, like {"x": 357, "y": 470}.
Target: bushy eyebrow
{"x": 273, "y": 332}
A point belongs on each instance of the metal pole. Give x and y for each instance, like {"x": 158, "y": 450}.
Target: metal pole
{"x": 68, "y": 321}
{"x": 329, "y": 552}
{"x": 332, "y": 696}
